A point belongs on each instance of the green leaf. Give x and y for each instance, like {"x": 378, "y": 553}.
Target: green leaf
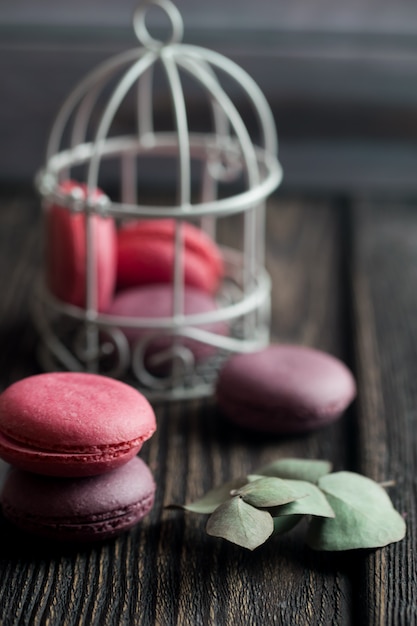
{"x": 213, "y": 498}
{"x": 240, "y": 523}
{"x": 297, "y": 469}
{"x": 313, "y": 501}
{"x": 268, "y": 491}
{"x": 365, "y": 517}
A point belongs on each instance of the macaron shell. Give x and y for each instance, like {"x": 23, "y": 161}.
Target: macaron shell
{"x": 284, "y": 389}
{"x": 83, "y": 509}
{"x": 66, "y": 253}
{"x": 72, "y": 424}
{"x": 146, "y": 251}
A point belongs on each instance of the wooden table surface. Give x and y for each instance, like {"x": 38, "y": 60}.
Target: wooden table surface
{"x": 344, "y": 274}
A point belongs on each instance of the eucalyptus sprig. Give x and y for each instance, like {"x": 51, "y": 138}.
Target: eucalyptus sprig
{"x": 345, "y": 510}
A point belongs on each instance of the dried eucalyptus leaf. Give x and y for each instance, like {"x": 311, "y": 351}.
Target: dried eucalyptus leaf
{"x": 313, "y": 502}
{"x": 365, "y": 517}
{"x": 213, "y": 498}
{"x": 297, "y": 469}
{"x": 240, "y": 523}
{"x": 268, "y": 491}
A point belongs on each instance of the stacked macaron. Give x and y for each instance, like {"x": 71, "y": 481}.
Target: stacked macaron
{"x": 134, "y": 267}
{"x": 72, "y": 440}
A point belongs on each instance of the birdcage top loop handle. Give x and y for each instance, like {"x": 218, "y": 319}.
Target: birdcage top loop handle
{"x": 142, "y": 32}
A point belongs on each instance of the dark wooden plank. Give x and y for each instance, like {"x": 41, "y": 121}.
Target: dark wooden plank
{"x": 167, "y": 570}
{"x": 219, "y": 583}
{"x": 384, "y": 274}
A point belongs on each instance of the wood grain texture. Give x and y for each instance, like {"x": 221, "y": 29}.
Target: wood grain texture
{"x": 167, "y": 570}
{"x": 384, "y": 271}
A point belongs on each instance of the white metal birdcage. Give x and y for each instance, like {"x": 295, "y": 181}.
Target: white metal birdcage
{"x": 224, "y": 172}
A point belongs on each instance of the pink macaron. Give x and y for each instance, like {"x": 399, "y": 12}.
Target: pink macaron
{"x": 284, "y": 389}
{"x": 72, "y": 424}
{"x": 66, "y": 252}
{"x": 146, "y": 249}
{"x": 79, "y": 509}
{"x": 156, "y": 301}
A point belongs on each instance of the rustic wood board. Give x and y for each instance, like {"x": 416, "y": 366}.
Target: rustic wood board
{"x": 384, "y": 278}
{"x": 167, "y": 570}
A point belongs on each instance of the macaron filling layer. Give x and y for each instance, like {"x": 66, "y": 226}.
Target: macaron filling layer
{"x": 74, "y": 464}
{"x": 89, "y": 451}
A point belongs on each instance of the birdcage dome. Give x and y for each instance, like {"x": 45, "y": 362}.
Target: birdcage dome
{"x": 219, "y": 165}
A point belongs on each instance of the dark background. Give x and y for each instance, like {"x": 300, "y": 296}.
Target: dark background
{"x": 341, "y": 78}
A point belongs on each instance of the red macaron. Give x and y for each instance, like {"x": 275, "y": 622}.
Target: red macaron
{"x": 146, "y": 252}
{"x": 284, "y": 389}
{"x": 66, "y": 252}
{"x": 72, "y": 424}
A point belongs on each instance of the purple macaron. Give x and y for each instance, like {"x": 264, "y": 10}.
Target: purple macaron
{"x": 82, "y": 509}
{"x": 150, "y": 302}
{"x": 284, "y": 389}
